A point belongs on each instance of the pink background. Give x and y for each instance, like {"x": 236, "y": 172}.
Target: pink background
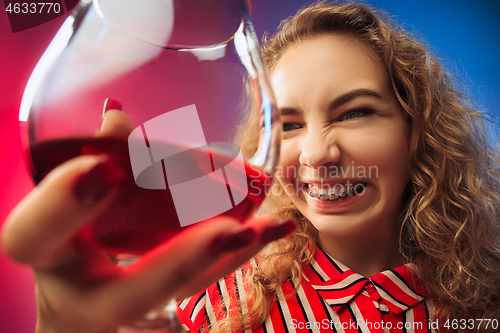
{"x": 467, "y": 35}
{"x": 19, "y": 53}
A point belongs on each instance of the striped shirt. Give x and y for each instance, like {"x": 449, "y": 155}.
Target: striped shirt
{"x": 330, "y": 298}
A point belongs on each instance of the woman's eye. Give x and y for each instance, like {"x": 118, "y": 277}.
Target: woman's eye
{"x": 356, "y": 113}
{"x": 290, "y": 126}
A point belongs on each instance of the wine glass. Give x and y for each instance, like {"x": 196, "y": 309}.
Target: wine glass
{"x": 186, "y": 72}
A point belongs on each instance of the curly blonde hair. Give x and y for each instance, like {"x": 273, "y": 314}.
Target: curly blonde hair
{"x": 450, "y": 225}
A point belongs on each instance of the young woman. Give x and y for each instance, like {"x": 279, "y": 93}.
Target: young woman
{"x": 384, "y": 167}
{"x": 390, "y": 177}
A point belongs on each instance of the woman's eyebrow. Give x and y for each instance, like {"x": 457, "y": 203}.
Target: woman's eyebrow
{"x": 337, "y": 102}
{"x": 347, "y": 97}
{"x": 285, "y": 111}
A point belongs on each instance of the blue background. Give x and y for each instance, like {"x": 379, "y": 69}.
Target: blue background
{"x": 466, "y": 34}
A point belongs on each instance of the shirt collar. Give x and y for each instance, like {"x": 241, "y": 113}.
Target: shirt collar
{"x": 398, "y": 288}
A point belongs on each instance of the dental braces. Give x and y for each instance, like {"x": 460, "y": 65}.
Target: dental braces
{"x": 332, "y": 194}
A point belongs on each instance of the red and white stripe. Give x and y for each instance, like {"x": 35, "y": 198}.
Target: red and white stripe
{"x": 330, "y": 298}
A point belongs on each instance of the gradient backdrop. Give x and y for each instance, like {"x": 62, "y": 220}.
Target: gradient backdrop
{"x": 465, "y": 34}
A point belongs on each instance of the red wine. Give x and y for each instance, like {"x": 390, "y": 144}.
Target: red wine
{"x": 138, "y": 219}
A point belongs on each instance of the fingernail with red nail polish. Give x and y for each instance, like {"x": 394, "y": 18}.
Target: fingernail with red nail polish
{"x": 93, "y": 185}
{"x": 278, "y": 231}
{"x": 111, "y": 104}
{"x": 233, "y": 241}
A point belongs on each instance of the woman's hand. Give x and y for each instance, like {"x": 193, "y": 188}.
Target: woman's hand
{"x": 79, "y": 289}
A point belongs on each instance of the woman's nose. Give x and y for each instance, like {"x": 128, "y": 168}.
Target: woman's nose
{"x": 319, "y": 150}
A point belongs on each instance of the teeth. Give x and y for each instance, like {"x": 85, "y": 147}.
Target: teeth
{"x": 335, "y": 192}
{"x": 350, "y": 189}
{"x": 332, "y": 195}
{"x": 323, "y": 194}
{"x": 313, "y": 191}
